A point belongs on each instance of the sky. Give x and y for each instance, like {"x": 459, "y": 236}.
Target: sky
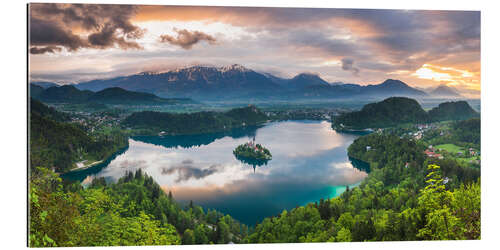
{"x": 71, "y": 43}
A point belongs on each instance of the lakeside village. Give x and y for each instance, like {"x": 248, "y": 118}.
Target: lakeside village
{"x": 93, "y": 122}
{"x": 432, "y": 132}
{"x": 252, "y": 150}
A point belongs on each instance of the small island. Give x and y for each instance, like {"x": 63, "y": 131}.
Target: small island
{"x": 251, "y": 150}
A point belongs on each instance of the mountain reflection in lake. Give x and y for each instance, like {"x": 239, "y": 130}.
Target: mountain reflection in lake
{"x": 309, "y": 162}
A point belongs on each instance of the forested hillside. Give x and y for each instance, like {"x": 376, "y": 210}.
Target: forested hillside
{"x": 194, "y": 123}
{"x": 58, "y": 145}
{"x": 459, "y": 110}
{"x": 64, "y": 94}
{"x": 41, "y": 109}
{"x": 466, "y": 133}
{"x": 395, "y": 111}
{"x": 389, "y": 112}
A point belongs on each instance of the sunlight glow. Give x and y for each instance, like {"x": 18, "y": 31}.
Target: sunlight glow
{"x": 451, "y": 76}
{"x": 426, "y": 72}
{"x": 330, "y": 63}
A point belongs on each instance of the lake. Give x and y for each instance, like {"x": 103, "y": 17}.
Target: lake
{"x": 309, "y": 162}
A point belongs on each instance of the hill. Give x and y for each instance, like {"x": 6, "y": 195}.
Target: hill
{"x": 399, "y": 110}
{"x": 114, "y": 95}
{"x": 43, "y": 110}
{"x": 238, "y": 82}
{"x": 64, "y": 94}
{"x": 389, "y": 112}
{"x": 194, "y": 123}
{"x": 58, "y": 145}
{"x": 459, "y": 110}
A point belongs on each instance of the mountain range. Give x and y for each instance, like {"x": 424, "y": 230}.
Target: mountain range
{"x": 113, "y": 95}
{"x": 238, "y": 82}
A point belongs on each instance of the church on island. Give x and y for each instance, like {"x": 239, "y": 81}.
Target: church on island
{"x": 252, "y": 150}
{"x": 251, "y": 144}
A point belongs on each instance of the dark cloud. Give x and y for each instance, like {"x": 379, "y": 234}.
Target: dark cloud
{"x": 387, "y": 21}
{"x": 42, "y": 50}
{"x": 403, "y": 42}
{"x": 391, "y": 36}
{"x": 107, "y": 38}
{"x": 320, "y": 41}
{"x": 52, "y": 34}
{"x": 186, "y": 170}
{"x": 186, "y": 39}
{"x": 410, "y": 38}
{"x": 348, "y": 64}
{"x": 67, "y": 25}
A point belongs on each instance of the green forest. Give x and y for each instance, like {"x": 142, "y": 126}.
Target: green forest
{"x": 194, "y": 123}
{"x": 57, "y": 144}
{"x": 133, "y": 211}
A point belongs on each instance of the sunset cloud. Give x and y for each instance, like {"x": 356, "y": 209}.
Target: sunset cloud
{"x": 186, "y": 39}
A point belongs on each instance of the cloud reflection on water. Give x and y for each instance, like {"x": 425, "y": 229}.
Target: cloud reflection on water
{"x": 186, "y": 171}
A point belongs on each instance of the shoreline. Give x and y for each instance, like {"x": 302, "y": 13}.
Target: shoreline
{"x": 85, "y": 166}
{"x": 134, "y": 131}
{"x": 223, "y": 130}
{"x": 96, "y": 163}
